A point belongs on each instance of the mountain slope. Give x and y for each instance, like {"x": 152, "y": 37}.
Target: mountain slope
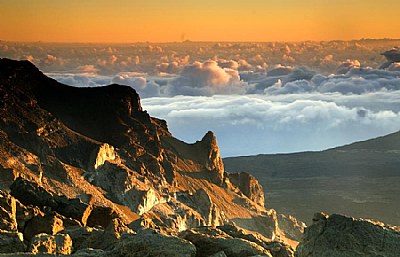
{"x": 360, "y": 179}
{"x": 96, "y": 147}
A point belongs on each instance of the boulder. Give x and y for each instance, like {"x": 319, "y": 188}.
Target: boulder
{"x": 101, "y": 216}
{"x": 30, "y": 193}
{"x": 153, "y": 245}
{"x": 11, "y": 242}
{"x": 83, "y": 237}
{"x": 8, "y": 210}
{"x": 97, "y": 238}
{"x": 53, "y": 244}
{"x": 209, "y": 241}
{"x": 340, "y": 236}
{"x": 42, "y": 223}
{"x": 73, "y": 208}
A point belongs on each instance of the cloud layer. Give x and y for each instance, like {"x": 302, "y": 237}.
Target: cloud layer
{"x": 254, "y": 124}
{"x": 257, "y": 97}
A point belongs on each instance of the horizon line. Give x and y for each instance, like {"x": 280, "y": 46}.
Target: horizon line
{"x": 191, "y": 41}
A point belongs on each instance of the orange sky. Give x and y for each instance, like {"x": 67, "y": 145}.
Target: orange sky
{"x": 206, "y": 20}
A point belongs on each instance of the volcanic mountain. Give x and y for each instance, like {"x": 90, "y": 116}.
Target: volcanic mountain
{"x": 92, "y": 160}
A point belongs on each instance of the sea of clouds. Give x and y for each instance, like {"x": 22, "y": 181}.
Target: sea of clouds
{"x": 256, "y": 99}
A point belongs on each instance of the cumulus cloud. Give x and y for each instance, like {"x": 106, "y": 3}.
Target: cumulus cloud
{"x": 253, "y": 124}
{"x": 206, "y": 79}
{"x": 140, "y": 84}
{"x": 280, "y": 70}
{"x": 347, "y": 66}
{"x": 394, "y": 66}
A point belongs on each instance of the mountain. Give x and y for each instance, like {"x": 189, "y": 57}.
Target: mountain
{"x": 360, "y": 179}
{"x": 87, "y": 169}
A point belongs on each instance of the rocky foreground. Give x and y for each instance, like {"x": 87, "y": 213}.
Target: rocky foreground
{"x": 87, "y": 172}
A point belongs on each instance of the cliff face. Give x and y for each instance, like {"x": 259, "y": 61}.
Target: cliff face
{"x": 97, "y": 149}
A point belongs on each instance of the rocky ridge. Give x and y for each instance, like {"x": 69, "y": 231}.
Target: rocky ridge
{"x": 88, "y": 168}
{"x": 87, "y": 172}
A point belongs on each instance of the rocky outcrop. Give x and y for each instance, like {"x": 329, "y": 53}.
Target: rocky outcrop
{"x": 52, "y": 244}
{"x": 277, "y": 249}
{"x": 248, "y": 185}
{"x": 154, "y": 245}
{"x": 42, "y": 223}
{"x": 292, "y": 228}
{"x": 209, "y": 241}
{"x": 105, "y": 153}
{"x": 337, "y": 235}
{"x": 203, "y": 203}
{"x": 8, "y": 212}
{"x": 30, "y": 193}
{"x": 101, "y": 216}
{"x": 212, "y": 158}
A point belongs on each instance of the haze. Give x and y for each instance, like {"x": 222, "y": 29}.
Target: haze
{"x": 167, "y": 21}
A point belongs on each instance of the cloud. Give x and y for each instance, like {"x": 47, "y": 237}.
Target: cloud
{"x": 253, "y": 124}
{"x": 280, "y": 70}
{"x": 347, "y": 66}
{"x": 140, "y": 84}
{"x": 206, "y": 79}
{"x": 394, "y": 66}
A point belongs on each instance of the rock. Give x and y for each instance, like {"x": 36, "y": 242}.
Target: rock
{"x": 204, "y": 205}
{"x": 102, "y": 239}
{"x": 73, "y": 208}
{"x": 126, "y": 187}
{"x": 42, "y": 223}
{"x": 170, "y": 217}
{"x": 219, "y": 254}
{"x": 153, "y": 245}
{"x": 292, "y": 228}
{"x": 90, "y": 252}
{"x": 277, "y": 249}
{"x": 101, "y": 216}
{"x": 23, "y": 214}
{"x": 248, "y": 185}
{"x": 338, "y": 236}
{"x": 53, "y": 244}
{"x": 11, "y": 242}
{"x": 212, "y": 159}
{"x": 209, "y": 241}
{"x": 8, "y": 212}
{"x": 105, "y": 153}
{"x": 28, "y": 192}
{"x": 83, "y": 237}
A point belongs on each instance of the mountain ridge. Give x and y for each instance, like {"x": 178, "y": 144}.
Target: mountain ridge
{"x": 97, "y": 151}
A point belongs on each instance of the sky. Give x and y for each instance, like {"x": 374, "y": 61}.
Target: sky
{"x": 207, "y": 20}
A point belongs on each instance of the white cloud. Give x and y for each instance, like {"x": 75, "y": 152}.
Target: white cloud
{"x": 394, "y": 66}
{"x": 347, "y": 66}
{"x": 255, "y": 124}
{"x": 206, "y": 79}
